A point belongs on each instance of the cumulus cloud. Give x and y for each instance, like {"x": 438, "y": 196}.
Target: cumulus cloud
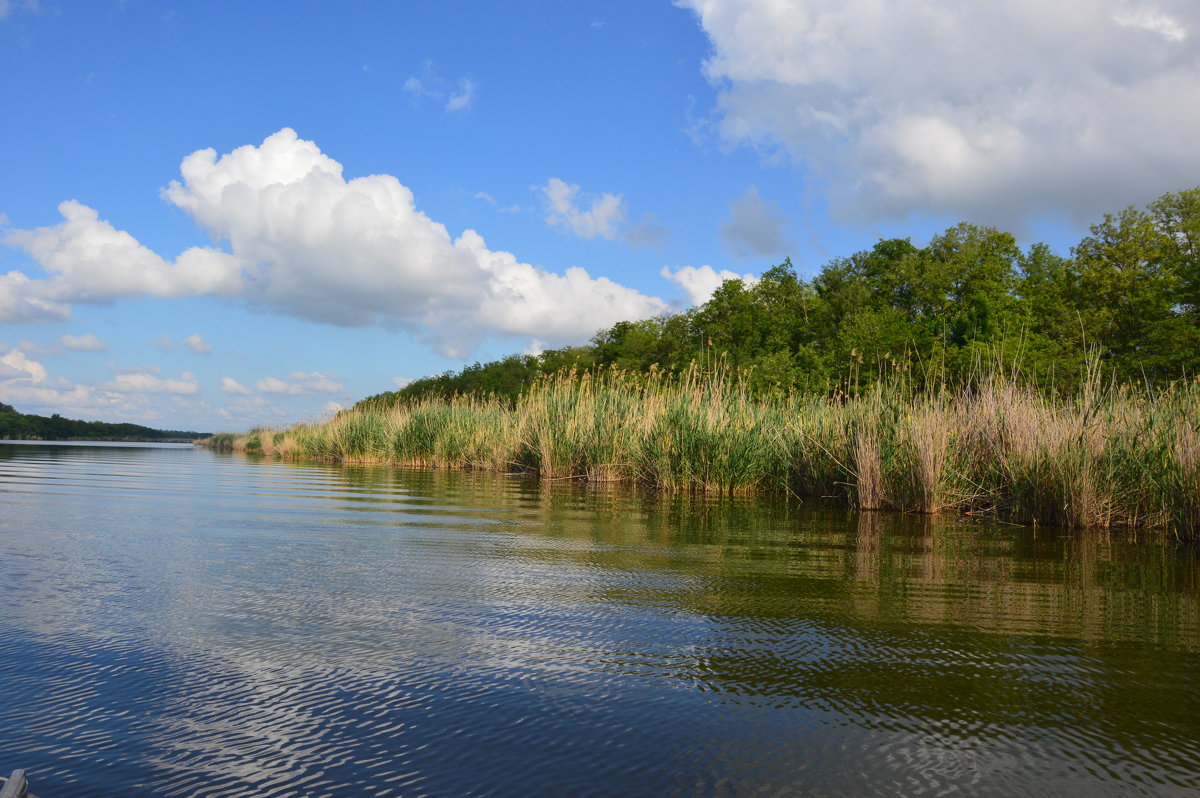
{"x": 148, "y": 382}
{"x": 256, "y": 410}
{"x": 163, "y": 342}
{"x": 88, "y": 342}
{"x": 302, "y": 383}
{"x": 401, "y": 382}
{"x": 8, "y": 372}
{"x": 134, "y": 394}
{"x": 996, "y": 109}
{"x": 197, "y": 345}
{"x": 18, "y": 305}
{"x": 316, "y": 381}
{"x": 19, "y": 366}
{"x": 26, "y": 382}
{"x": 303, "y": 240}
{"x": 277, "y": 386}
{"x": 605, "y": 215}
{"x": 700, "y": 282}
{"x": 601, "y": 219}
{"x": 754, "y": 227}
{"x": 231, "y": 386}
{"x": 91, "y": 261}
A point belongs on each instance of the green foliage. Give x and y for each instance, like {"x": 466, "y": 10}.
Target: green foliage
{"x": 970, "y": 302}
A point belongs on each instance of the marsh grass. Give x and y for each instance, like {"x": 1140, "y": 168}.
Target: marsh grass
{"x": 1108, "y": 457}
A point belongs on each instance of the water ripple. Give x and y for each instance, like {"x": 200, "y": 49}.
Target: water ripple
{"x": 180, "y": 623}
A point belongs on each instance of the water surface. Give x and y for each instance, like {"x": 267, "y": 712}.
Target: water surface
{"x": 183, "y": 623}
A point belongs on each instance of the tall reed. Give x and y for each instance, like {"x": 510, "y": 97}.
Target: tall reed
{"x": 1108, "y": 457}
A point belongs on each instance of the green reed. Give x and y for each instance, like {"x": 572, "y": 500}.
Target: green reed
{"x": 1105, "y": 458}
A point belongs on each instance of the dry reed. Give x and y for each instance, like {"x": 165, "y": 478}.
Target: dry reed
{"x": 1111, "y": 458}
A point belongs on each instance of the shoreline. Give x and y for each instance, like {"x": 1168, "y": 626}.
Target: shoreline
{"x": 1111, "y": 460}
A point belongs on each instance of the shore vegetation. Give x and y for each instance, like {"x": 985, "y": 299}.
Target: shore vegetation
{"x": 967, "y": 375}
{"x": 1106, "y": 457}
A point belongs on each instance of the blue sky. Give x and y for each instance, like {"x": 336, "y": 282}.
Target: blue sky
{"x": 222, "y": 214}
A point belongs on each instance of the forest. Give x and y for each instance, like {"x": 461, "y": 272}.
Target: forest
{"x": 971, "y": 301}
{"x": 28, "y": 427}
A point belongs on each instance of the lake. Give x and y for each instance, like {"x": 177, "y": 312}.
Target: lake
{"x": 178, "y": 622}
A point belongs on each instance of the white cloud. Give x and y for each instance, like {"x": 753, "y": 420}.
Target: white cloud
{"x": 754, "y": 227}
{"x": 430, "y": 84}
{"x": 25, "y": 382}
{"x": 699, "y": 282}
{"x": 133, "y": 395}
{"x": 146, "y": 382}
{"x": 18, "y": 305}
{"x": 602, "y": 219}
{"x": 996, "y": 110}
{"x": 462, "y": 99}
{"x": 197, "y": 345}
{"x": 91, "y": 261}
{"x": 88, "y": 342}
{"x": 277, "y": 386}
{"x": 302, "y": 383}
{"x": 305, "y": 241}
{"x": 163, "y": 342}
{"x": 19, "y": 366}
{"x": 8, "y": 372}
{"x": 255, "y": 410}
{"x": 231, "y": 386}
{"x": 402, "y": 382}
{"x": 316, "y": 381}
{"x": 1151, "y": 20}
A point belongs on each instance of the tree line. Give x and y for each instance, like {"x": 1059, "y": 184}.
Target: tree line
{"x": 971, "y": 300}
{"x": 28, "y": 427}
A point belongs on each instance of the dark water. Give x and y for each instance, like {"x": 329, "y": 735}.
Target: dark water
{"x": 175, "y": 622}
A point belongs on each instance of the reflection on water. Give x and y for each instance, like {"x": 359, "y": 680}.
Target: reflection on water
{"x": 176, "y": 622}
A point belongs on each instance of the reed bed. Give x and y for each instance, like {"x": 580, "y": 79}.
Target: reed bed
{"x": 1115, "y": 458}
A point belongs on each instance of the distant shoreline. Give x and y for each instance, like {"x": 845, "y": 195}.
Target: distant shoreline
{"x": 192, "y": 441}
{"x": 17, "y": 426}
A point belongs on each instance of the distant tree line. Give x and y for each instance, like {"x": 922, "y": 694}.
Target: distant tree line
{"x": 27, "y": 427}
{"x": 971, "y": 300}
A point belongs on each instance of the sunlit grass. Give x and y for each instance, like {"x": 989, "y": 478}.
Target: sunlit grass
{"x": 1104, "y": 458}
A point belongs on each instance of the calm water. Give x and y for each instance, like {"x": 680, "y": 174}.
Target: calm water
{"x": 176, "y": 622}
